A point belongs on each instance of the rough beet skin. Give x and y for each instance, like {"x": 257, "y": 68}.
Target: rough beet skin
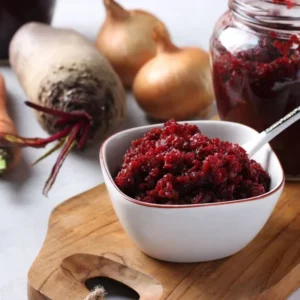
{"x": 178, "y": 165}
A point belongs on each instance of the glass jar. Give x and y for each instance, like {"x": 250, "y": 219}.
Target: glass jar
{"x": 255, "y": 56}
{"x": 15, "y": 13}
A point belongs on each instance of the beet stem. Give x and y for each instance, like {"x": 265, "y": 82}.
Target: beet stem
{"x": 84, "y": 136}
{"x": 49, "y": 152}
{"x": 58, "y": 113}
{"x": 14, "y": 140}
{"x": 69, "y": 145}
{"x": 77, "y": 125}
{"x": 63, "y": 122}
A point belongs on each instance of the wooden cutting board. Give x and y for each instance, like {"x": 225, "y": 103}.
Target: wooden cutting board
{"x": 85, "y": 240}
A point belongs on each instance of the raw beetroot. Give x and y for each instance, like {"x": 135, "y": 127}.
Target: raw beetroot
{"x": 77, "y": 96}
{"x": 179, "y": 165}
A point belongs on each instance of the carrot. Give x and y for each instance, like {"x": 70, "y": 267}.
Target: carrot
{"x": 77, "y": 96}
{"x": 9, "y": 157}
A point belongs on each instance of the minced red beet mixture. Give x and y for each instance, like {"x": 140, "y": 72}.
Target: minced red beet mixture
{"x": 178, "y": 165}
{"x": 257, "y": 84}
{"x": 288, "y": 3}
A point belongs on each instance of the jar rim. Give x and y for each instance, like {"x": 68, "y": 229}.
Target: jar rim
{"x": 275, "y": 14}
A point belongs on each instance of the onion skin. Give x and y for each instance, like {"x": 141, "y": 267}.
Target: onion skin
{"x": 125, "y": 39}
{"x": 176, "y": 83}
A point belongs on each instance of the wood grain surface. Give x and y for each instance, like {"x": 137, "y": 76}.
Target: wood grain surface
{"x": 87, "y": 224}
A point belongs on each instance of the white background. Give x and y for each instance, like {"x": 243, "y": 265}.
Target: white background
{"x": 24, "y": 211}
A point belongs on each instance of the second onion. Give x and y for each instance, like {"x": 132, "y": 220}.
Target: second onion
{"x": 176, "y": 83}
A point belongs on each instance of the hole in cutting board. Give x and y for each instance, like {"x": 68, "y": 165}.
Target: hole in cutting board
{"x": 115, "y": 290}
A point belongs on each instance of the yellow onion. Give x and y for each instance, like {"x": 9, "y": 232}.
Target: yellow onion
{"x": 125, "y": 39}
{"x": 176, "y": 83}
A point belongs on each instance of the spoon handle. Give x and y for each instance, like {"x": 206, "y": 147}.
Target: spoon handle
{"x": 272, "y": 131}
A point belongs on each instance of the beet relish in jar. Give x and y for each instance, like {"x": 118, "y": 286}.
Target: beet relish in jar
{"x": 255, "y": 53}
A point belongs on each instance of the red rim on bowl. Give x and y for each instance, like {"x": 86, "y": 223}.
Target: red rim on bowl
{"x": 183, "y": 205}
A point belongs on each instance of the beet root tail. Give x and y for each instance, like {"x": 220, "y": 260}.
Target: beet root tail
{"x": 76, "y": 127}
{"x": 68, "y": 146}
{"x": 58, "y": 145}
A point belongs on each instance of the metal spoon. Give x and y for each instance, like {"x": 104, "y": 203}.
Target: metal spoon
{"x": 267, "y": 135}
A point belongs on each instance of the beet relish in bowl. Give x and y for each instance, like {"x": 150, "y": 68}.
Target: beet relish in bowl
{"x": 177, "y": 164}
{"x": 183, "y": 195}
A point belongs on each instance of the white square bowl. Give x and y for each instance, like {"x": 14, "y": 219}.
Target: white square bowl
{"x": 198, "y": 232}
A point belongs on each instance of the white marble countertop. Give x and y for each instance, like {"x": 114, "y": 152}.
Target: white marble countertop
{"x": 24, "y": 211}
